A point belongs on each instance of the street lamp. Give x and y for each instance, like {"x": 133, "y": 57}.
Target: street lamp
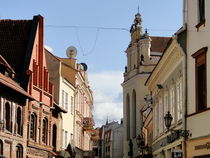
{"x": 168, "y": 119}
{"x": 140, "y": 141}
{"x": 141, "y": 144}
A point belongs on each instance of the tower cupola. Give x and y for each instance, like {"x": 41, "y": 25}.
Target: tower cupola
{"x": 136, "y": 28}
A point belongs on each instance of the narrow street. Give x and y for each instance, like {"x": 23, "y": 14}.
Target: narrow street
{"x": 104, "y": 79}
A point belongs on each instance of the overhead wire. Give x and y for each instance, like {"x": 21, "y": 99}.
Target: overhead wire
{"x": 98, "y": 28}
{"x": 80, "y": 45}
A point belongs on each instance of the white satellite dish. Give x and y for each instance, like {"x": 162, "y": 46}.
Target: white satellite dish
{"x": 71, "y": 52}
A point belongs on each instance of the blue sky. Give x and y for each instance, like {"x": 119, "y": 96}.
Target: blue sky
{"x": 102, "y": 49}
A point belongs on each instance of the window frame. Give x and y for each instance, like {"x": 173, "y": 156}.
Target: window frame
{"x": 172, "y": 103}
{"x": 160, "y": 114}
{"x": 201, "y": 19}
{"x": 19, "y": 151}
{"x": 19, "y": 121}
{"x": 200, "y": 59}
{"x": 45, "y": 130}
{"x": 33, "y": 137}
{"x": 1, "y": 147}
{"x": 179, "y": 99}
{"x": 72, "y": 105}
{"x": 8, "y": 117}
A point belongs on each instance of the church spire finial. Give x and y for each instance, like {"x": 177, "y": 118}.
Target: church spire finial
{"x": 138, "y": 8}
{"x": 107, "y": 121}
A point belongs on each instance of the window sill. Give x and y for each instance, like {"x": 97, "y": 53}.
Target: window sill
{"x": 8, "y": 132}
{"x": 198, "y": 112}
{"x": 203, "y": 22}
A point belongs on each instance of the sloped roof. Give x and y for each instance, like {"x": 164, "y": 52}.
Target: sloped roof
{"x": 159, "y": 44}
{"x": 14, "y": 37}
{"x": 8, "y": 82}
{"x": 4, "y": 62}
{"x": 16, "y": 45}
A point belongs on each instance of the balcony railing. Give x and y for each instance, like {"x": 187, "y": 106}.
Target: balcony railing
{"x": 88, "y": 123}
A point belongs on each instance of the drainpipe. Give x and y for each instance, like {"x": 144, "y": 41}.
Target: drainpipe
{"x": 185, "y": 99}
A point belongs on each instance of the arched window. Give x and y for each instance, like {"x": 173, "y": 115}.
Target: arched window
{"x": 19, "y": 121}
{"x": 8, "y": 116}
{"x": 54, "y": 137}
{"x": 128, "y": 115}
{"x": 33, "y": 125}
{"x": 19, "y": 151}
{"x": 134, "y": 113}
{"x": 1, "y": 147}
{"x": 44, "y": 130}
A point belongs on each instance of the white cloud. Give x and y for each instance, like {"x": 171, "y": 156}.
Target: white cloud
{"x": 107, "y": 93}
{"x": 50, "y": 49}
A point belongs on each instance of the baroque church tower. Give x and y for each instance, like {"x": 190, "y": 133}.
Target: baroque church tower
{"x": 143, "y": 53}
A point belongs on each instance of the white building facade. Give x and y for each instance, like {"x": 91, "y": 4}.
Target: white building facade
{"x": 197, "y": 18}
{"x": 167, "y": 86}
{"x": 142, "y": 53}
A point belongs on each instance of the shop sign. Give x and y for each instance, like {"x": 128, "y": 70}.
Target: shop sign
{"x": 176, "y": 154}
{"x": 203, "y": 146}
{"x": 174, "y": 136}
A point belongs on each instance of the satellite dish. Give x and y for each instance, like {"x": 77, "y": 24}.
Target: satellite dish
{"x": 71, "y": 52}
{"x": 85, "y": 67}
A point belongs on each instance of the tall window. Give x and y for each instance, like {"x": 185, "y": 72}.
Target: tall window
{"x": 54, "y": 139}
{"x": 66, "y": 100}
{"x": 19, "y": 151}
{"x": 72, "y": 105}
{"x": 166, "y": 109}
{"x": 200, "y": 72}
{"x": 72, "y": 138}
{"x": 201, "y": 8}
{"x": 155, "y": 119}
{"x": 62, "y": 98}
{"x": 172, "y": 103}
{"x": 63, "y": 138}
{"x": 33, "y": 125}
{"x": 179, "y": 99}
{"x": 19, "y": 121}
{"x": 66, "y": 138}
{"x": 134, "y": 113}
{"x": 8, "y": 116}
{"x": 44, "y": 130}
{"x": 1, "y": 147}
{"x": 128, "y": 116}
{"x": 160, "y": 115}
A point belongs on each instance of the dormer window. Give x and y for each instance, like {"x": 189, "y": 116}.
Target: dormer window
{"x": 6, "y": 73}
{"x": 201, "y": 5}
{"x": 201, "y": 14}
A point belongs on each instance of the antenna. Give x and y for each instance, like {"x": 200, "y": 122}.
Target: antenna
{"x": 85, "y": 67}
{"x": 71, "y": 52}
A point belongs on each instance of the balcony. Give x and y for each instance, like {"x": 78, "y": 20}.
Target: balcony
{"x": 88, "y": 123}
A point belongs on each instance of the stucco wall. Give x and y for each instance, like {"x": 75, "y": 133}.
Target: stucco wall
{"x": 195, "y": 41}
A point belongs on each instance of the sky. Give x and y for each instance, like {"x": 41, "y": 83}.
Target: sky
{"x": 99, "y": 29}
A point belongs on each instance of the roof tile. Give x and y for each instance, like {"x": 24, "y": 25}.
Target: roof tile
{"x": 14, "y": 36}
{"x": 159, "y": 44}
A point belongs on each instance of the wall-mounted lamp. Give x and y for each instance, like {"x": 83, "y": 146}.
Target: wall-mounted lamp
{"x": 159, "y": 86}
{"x": 168, "y": 119}
{"x": 141, "y": 144}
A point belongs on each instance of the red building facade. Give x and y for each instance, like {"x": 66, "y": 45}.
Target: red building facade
{"x": 31, "y": 117}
